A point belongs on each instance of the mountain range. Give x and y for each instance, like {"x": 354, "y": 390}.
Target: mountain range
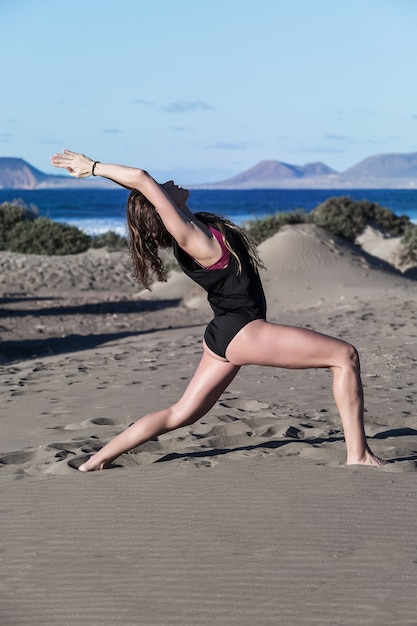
{"x": 383, "y": 171}
{"x": 18, "y": 174}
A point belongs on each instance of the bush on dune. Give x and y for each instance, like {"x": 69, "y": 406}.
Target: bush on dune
{"x": 347, "y": 218}
{"x": 43, "y": 236}
{"x": 262, "y": 229}
{"x": 409, "y": 241}
{"x": 21, "y": 230}
{"x": 340, "y": 216}
{"x": 410, "y": 236}
{"x": 109, "y": 240}
{"x": 11, "y": 214}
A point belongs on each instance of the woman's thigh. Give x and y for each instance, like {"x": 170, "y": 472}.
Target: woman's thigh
{"x": 265, "y": 343}
{"x": 212, "y": 377}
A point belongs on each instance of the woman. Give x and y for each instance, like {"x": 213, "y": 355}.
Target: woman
{"x": 221, "y": 258}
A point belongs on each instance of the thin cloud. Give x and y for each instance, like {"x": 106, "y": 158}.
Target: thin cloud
{"x": 322, "y": 150}
{"x": 338, "y": 137}
{"x": 5, "y": 137}
{"x": 185, "y": 106}
{"x": 144, "y": 103}
{"x": 181, "y": 129}
{"x": 224, "y": 145}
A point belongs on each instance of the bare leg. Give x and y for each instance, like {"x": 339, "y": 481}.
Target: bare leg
{"x": 211, "y": 378}
{"x": 263, "y": 343}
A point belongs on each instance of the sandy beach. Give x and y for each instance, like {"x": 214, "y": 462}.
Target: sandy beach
{"x": 247, "y": 517}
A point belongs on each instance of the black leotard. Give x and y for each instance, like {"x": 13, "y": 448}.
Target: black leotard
{"x": 236, "y": 298}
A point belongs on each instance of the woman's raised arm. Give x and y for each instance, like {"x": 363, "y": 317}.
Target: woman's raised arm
{"x": 80, "y": 166}
{"x": 190, "y": 234}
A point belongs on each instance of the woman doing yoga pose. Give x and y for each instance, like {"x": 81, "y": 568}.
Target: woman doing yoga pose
{"x": 220, "y": 257}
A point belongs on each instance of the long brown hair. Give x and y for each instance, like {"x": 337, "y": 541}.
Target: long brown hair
{"x": 147, "y": 234}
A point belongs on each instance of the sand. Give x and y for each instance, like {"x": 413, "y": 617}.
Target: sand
{"x": 247, "y": 517}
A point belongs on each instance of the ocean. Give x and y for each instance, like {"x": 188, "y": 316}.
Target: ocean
{"x": 96, "y": 210}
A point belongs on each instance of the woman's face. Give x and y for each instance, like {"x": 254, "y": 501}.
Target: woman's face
{"x": 176, "y": 193}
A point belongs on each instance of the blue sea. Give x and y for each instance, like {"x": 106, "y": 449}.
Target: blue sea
{"x": 96, "y": 210}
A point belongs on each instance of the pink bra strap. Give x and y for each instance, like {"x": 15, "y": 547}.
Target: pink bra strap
{"x": 225, "y": 258}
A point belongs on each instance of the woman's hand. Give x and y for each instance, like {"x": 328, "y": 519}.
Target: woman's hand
{"x": 76, "y": 164}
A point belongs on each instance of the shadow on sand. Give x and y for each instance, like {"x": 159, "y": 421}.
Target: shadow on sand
{"x": 117, "y": 307}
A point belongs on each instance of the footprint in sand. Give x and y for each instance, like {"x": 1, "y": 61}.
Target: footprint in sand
{"x": 32, "y": 461}
{"x": 96, "y": 421}
{"x": 242, "y": 404}
{"x": 20, "y": 457}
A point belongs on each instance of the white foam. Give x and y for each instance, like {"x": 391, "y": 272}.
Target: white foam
{"x": 96, "y": 226}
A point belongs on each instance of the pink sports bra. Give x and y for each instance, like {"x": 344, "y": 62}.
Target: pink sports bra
{"x": 225, "y": 257}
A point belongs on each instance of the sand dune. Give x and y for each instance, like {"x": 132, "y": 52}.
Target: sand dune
{"x": 248, "y": 516}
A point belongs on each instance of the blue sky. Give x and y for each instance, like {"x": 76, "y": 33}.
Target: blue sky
{"x": 200, "y": 91}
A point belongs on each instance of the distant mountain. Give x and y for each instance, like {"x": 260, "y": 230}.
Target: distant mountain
{"x": 384, "y": 171}
{"x": 268, "y": 173}
{"x": 18, "y": 174}
{"x": 385, "y": 166}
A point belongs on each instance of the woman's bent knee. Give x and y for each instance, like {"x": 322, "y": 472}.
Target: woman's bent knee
{"x": 350, "y": 356}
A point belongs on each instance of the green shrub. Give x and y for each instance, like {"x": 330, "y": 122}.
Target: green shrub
{"x": 21, "y": 230}
{"x": 347, "y": 218}
{"x": 43, "y": 236}
{"x": 11, "y": 214}
{"x": 409, "y": 252}
{"x": 261, "y": 229}
{"x": 410, "y": 236}
{"x": 109, "y": 240}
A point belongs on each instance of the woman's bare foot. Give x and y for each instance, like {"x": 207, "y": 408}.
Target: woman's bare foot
{"x": 367, "y": 458}
{"x": 93, "y": 465}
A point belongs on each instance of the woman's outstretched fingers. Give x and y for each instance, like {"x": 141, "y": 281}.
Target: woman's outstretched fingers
{"x": 76, "y": 164}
